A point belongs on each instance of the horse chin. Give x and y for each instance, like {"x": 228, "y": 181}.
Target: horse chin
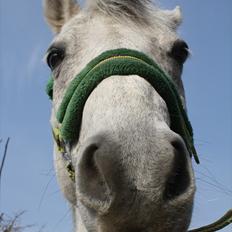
{"x": 138, "y": 217}
{"x": 146, "y": 217}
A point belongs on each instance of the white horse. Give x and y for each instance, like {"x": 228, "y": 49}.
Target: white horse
{"x": 132, "y": 171}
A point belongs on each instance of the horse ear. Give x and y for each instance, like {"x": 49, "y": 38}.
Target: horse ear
{"x": 58, "y": 12}
{"x": 175, "y": 16}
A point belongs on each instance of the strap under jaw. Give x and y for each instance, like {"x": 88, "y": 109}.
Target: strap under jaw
{"x": 218, "y": 225}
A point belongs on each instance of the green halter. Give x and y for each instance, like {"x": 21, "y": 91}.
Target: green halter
{"x": 122, "y": 62}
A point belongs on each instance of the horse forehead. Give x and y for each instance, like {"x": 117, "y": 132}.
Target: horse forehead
{"x": 93, "y": 27}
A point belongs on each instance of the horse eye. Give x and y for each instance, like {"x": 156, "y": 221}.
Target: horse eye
{"x": 55, "y": 57}
{"x": 180, "y": 51}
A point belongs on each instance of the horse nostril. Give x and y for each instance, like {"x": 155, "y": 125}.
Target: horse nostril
{"x": 178, "y": 144}
{"x": 179, "y": 177}
{"x": 94, "y": 173}
{"x": 89, "y": 156}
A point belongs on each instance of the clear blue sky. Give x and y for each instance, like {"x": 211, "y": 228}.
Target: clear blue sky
{"x": 28, "y": 182}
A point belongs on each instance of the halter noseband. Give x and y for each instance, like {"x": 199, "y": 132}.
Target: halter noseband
{"x": 120, "y": 62}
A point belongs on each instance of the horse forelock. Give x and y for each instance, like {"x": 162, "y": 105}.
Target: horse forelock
{"x": 132, "y": 9}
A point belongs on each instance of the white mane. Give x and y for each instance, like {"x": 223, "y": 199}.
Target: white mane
{"x": 139, "y": 11}
{"x": 132, "y": 9}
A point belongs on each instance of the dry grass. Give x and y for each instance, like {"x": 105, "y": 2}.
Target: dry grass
{"x": 8, "y": 224}
{"x": 11, "y": 223}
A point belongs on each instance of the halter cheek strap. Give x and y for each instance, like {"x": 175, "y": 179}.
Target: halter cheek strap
{"x": 121, "y": 62}
{"x": 62, "y": 149}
